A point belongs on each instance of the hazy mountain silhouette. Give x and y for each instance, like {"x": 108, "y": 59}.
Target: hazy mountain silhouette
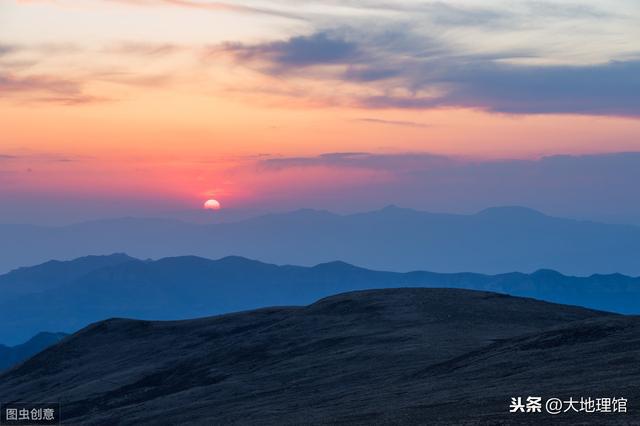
{"x": 402, "y": 356}
{"x": 54, "y": 273}
{"x": 493, "y": 241}
{"x": 12, "y": 355}
{"x": 67, "y": 296}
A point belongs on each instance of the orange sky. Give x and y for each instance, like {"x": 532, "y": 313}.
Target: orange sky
{"x": 183, "y": 102}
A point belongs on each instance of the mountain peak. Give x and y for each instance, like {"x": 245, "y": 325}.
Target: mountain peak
{"x": 87, "y": 262}
{"x": 186, "y": 261}
{"x": 238, "y": 260}
{"x": 547, "y": 274}
{"x": 337, "y": 265}
{"x": 114, "y": 256}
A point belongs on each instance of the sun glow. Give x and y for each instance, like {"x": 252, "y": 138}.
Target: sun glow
{"x": 212, "y": 205}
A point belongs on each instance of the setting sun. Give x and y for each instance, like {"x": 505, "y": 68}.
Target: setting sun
{"x": 212, "y": 205}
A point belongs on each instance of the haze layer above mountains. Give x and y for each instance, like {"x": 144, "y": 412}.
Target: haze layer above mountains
{"x": 493, "y": 241}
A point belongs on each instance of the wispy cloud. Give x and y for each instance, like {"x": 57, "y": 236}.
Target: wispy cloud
{"x": 5, "y": 49}
{"x": 44, "y": 88}
{"x": 601, "y": 89}
{"x": 301, "y": 51}
{"x": 212, "y": 6}
{"x": 139, "y": 48}
{"x": 392, "y": 122}
{"x": 11, "y": 83}
{"x": 495, "y": 56}
{"x": 31, "y": 79}
{"x": 361, "y": 160}
{"x": 81, "y": 99}
{"x": 40, "y": 157}
{"x": 405, "y": 71}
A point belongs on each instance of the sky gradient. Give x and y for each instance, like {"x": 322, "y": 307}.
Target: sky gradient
{"x": 140, "y": 107}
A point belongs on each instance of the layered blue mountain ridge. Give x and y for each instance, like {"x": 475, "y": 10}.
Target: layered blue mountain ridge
{"x": 66, "y": 296}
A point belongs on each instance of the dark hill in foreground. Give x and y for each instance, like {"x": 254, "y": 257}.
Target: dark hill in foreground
{"x": 402, "y": 356}
{"x": 67, "y": 296}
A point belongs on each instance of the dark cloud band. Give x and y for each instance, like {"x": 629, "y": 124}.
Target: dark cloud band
{"x": 432, "y": 75}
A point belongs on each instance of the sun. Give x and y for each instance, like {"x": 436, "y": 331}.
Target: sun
{"x": 212, "y": 205}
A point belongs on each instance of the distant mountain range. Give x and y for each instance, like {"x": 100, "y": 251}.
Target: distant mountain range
{"x": 493, "y": 241}
{"x": 382, "y": 357}
{"x": 67, "y": 296}
{"x": 11, "y": 355}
